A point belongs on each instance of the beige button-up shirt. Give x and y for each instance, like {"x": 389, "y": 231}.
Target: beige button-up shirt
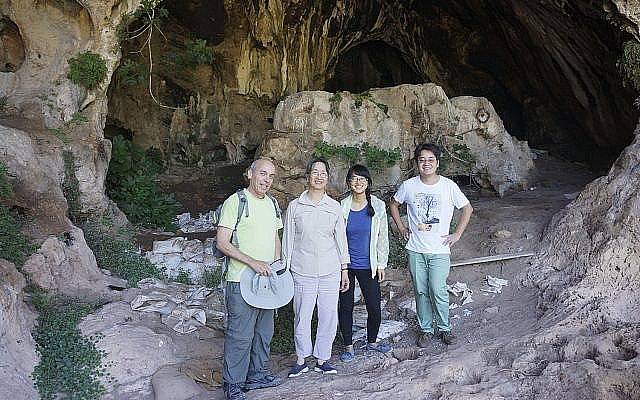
{"x": 315, "y": 238}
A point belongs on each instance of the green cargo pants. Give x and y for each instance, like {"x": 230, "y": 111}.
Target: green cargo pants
{"x": 429, "y": 273}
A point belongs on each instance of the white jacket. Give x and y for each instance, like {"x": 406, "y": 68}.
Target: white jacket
{"x": 379, "y": 245}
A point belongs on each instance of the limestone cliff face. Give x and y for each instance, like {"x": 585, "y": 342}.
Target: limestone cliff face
{"x": 548, "y": 68}
{"x": 40, "y": 102}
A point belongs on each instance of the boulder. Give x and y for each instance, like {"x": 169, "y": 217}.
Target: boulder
{"x": 68, "y": 266}
{"x": 171, "y": 384}
{"x": 17, "y": 349}
{"x": 134, "y": 352}
{"x": 394, "y": 120}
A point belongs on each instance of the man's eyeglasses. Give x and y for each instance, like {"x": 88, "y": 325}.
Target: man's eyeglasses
{"x": 318, "y": 174}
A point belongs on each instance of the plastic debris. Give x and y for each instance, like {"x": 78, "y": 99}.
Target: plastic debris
{"x": 495, "y": 284}
{"x": 466, "y": 312}
{"x": 204, "y": 223}
{"x": 388, "y": 329}
{"x": 183, "y": 308}
{"x": 461, "y": 290}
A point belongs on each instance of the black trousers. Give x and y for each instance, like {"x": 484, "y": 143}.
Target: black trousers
{"x": 370, "y": 288}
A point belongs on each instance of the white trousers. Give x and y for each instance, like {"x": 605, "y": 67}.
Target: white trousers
{"x": 310, "y": 291}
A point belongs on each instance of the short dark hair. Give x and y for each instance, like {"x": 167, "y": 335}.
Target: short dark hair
{"x": 316, "y": 160}
{"x": 434, "y": 148}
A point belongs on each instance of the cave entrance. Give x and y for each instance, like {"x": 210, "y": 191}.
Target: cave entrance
{"x": 370, "y": 65}
{"x": 11, "y": 46}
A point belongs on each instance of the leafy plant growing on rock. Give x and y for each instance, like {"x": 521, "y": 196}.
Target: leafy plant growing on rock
{"x": 70, "y": 365}
{"x": 629, "y": 64}
{"x": 211, "y": 278}
{"x": 334, "y": 102}
{"x": 14, "y": 245}
{"x": 374, "y": 157}
{"x": 4, "y": 103}
{"x": 63, "y": 130}
{"x": 87, "y": 69}
{"x": 70, "y": 186}
{"x": 132, "y": 184}
{"x": 183, "y": 277}
{"x": 132, "y": 73}
{"x": 377, "y": 158}
{"x": 6, "y": 190}
{"x": 116, "y": 253}
{"x": 358, "y": 99}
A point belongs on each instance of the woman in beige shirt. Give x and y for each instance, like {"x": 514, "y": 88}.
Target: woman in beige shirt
{"x": 314, "y": 247}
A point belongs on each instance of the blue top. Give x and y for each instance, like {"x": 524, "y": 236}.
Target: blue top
{"x": 358, "y": 238}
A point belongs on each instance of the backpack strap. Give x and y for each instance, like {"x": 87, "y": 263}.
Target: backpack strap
{"x": 243, "y": 208}
{"x": 276, "y": 206}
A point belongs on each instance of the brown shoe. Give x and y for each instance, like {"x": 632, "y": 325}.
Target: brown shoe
{"x": 424, "y": 339}
{"x": 448, "y": 338}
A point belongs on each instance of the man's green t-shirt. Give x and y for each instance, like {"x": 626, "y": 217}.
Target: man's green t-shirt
{"x": 256, "y": 233}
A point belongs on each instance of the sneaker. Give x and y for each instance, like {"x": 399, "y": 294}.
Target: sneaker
{"x": 424, "y": 339}
{"x": 298, "y": 370}
{"x": 233, "y": 391}
{"x": 347, "y": 356}
{"x": 448, "y": 338}
{"x": 325, "y": 369}
{"x": 382, "y": 347}
{"x": 267, "y": 381}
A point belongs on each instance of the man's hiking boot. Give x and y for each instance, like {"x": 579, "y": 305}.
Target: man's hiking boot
{"x": 425, "y": 339}
{"x": 233, "y": 391}
{"x": 268, "y": 380}
{"x": 448, "y": 338}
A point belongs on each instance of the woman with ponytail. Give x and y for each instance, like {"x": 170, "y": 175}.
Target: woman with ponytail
{"x": 366, "y": 219}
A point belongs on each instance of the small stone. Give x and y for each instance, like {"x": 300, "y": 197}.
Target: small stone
{"x": 502, "y": 234}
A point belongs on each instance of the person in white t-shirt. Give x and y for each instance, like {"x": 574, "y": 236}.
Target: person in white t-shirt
{"x": 430, "y": 200}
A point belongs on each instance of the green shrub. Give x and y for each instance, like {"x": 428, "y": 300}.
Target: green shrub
{"x": 629, "y": 64}
{"x": 328, "y": 151}
{"x": 211, "y": 278}
{"x": 6, "y": 190}
{"x": 373, "y": 157}
{"x": 132, "y": 73}
{"x": 4, "y": 103}
{"x": 14, "y": 245}
{"x": 196, "y": 53}
{"x": 87, "y": 69}
{"x": 183, "y": 277}
{"x": 70, "y": 365}
{"x": 70, "y": 187}
{"x": 377, "y": 158}
{"x": 334, "y": 102}
{"x": 117, "y": 254}
{"x": 131, "y": 183}
{"x": 360, "y": 98}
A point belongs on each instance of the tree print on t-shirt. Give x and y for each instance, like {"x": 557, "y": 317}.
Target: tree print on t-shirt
{"x": 428, "y": 210}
